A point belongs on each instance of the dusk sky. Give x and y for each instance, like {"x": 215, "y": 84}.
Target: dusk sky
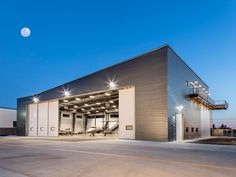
{"x": 70, "y": 39}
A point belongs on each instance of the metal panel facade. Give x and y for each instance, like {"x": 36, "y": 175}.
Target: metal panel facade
{"x": 178, "y": 75}
{"x": 148, "y": 73}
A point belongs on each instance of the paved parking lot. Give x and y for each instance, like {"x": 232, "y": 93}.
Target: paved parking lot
{"x": 21, "y": 157}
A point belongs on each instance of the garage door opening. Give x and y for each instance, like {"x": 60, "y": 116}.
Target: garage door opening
{"x": 93, "y": 114}
{"x": 108, "y": 113}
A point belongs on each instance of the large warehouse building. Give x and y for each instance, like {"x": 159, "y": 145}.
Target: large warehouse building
{"x": 154, "y": 96}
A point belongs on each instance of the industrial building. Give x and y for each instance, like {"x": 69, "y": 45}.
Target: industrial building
{"x": 7, "y": 121}
{"x": 153, "y": 96}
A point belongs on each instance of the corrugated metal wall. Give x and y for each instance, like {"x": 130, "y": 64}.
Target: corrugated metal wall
{"x": 148, "y": 73}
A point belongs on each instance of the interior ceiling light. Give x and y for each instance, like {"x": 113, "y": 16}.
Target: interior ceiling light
{"x": 102, "y": 107}
{"x": 65, "y": 107}
{"x": 86, "y": 105}
{"x": 107, "y": 104}
{"x": 92, "y": 108}
{"x": 91, "y": 96}
{"x": 97, "y": 111}
{"x": 116, "y": 109}
{"x": 196, "y": 82}
{"x": 107, "y": 94}
{"x": 200, "y": 86}
{"x": 66, "y": 101}
{"x": 114, "y": 106}
{"x": 111, "y": 101}
{"x": 82, "y": 109}
{"x": 76, "y": 106}
{"x": 98, "y": 103}
{"x": 203, "y": 89}
{"x": 78, "y": 99}
{"x": 88, "y": 112}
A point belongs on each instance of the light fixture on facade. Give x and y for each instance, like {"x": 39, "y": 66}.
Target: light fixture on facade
{"x": 112, "y": 85}
{"x": 203, "y": 89}
{"x": 35, "y": 99}
{"x": 179, "y": 108}
{"x": 66, "y": 93}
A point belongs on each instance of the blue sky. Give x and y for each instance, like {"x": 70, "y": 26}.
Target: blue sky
{"x": 73, "y": 38}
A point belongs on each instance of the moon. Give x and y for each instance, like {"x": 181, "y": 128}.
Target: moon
{"x": 25, "y": 32}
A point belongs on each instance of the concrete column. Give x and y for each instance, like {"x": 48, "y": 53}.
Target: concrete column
{"x": 179, "y": 127}
{"x": 205, "y": 122}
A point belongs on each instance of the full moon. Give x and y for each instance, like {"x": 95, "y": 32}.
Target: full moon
{"x": 25, "y": 32}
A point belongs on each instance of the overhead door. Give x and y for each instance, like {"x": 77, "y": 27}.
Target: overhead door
{"x": 32, "y": 120}
{"x": 43, "y": 119}
{"x": 53, "y": 114}
{"x": 127, "y": 113}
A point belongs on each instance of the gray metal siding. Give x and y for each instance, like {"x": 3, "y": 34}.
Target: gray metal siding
{"x": 178, "y": 74}
{"x": 148, "y": 73}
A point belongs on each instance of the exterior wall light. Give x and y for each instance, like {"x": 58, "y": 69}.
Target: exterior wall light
{"x": 180, "y": 108}
{"x": 112, "y": 85}
{"x": 35, "y": 99}
{"x": 66, "y": 93}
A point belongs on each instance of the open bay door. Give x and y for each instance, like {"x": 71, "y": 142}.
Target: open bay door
{"x": 43, "y": 119}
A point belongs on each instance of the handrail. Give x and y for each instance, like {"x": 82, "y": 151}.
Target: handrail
{"x": 209, "y": 100}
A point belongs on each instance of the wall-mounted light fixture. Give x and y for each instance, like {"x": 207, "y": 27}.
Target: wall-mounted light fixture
{"x": 35, "y": 99}
{"x": 180, "y": 108}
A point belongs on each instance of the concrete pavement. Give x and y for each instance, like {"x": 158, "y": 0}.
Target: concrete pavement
{"x": 44, "y": 157}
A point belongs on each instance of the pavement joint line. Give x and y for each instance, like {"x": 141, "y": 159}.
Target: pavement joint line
{"x": 132, "y": 157}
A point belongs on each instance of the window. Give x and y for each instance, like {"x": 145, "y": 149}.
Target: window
{"x": 79, "y": 117}
{"x": 66, "y": 115}
{"x": 192, "y": 130}
{"x": 14, "y": 124}
{"x": 114, "y": 116}
{"x": 186, "y": 130}
{"x": 196, "y": 129}
{"x": 100, "y": 116}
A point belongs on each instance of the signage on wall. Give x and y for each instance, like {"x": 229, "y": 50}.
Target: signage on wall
{"x": 129, "y": 127}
